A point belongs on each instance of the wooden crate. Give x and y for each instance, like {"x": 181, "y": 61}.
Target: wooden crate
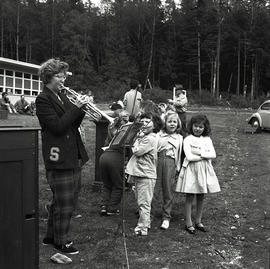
{"x": 19, "y": 240}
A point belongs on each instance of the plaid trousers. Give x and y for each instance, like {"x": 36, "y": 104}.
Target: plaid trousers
{"x": 65, "y": 185}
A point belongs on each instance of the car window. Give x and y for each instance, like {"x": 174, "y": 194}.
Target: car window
{"x": 266, "y": 106}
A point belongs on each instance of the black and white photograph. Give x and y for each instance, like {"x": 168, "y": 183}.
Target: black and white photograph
{"x": 135, "y": 134}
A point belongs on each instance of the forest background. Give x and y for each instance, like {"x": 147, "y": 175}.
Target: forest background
{"x": 219, "y": 50}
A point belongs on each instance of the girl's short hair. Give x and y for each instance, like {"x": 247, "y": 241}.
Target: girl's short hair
{"x": 133, "y": 83}
{"x": 179, "y": 123}
{"x": 51, "y": 68}
{"x": 198, "y": 119}
{"x": 157, "y": 121}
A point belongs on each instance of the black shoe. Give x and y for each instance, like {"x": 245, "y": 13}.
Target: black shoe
{"x": 200, "y": 227}
{"x": 47, "y": 241}
{"x": 113, "y": 212}
{"x": 103, "y": 211}
{"x": 67, "y": 249}
{"x": 190, "y": 229}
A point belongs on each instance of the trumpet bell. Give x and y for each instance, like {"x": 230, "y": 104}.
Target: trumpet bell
{"x": 90, "y": 109}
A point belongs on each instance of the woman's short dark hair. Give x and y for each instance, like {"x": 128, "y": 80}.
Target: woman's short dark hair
{"x": 198, "y": 119}
{"x": 157, "y": 121}
{"x": 51, "y": 68}
{"x": 133, "y": 83}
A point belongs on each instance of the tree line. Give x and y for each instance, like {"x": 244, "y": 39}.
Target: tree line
{"x": 217, "y": 46}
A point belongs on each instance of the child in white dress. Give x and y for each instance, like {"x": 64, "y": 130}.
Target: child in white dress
{"x": 197, "y": 175}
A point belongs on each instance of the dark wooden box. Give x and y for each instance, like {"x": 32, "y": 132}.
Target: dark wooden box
{"x": 3, "y": 114}
{"x": 19, "y": 241}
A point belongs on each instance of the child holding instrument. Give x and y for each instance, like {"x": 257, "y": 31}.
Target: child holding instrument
{"x": 197, "y": 175}
{"x": 111, "y": 170}
{"x": 141, "y": 169}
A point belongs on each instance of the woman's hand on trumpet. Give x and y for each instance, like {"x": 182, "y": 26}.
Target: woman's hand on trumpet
{"x": 81, "y": 100}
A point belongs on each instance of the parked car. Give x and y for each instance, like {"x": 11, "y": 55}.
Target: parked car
{"x": 260, "y": 120}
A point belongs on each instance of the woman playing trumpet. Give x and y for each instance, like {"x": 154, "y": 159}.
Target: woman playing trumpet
{"x": 63, "y": 151}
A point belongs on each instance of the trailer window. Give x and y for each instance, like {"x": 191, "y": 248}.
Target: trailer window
{"x": 27, "y": 84}
{"x": 18, "y": 74}
{"x": 9, "y": 82}
{"x": 27, "y": 92}
{"x": 18, "y": 82}
{"x": 9, "y": 73}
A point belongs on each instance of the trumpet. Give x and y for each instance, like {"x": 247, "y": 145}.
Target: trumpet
{"x": 90, "y": 109}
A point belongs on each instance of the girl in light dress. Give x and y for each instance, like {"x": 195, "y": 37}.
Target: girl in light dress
{"x": 197, "y": 176}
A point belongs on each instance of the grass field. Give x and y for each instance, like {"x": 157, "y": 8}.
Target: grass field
{"x": 243, "y": 169}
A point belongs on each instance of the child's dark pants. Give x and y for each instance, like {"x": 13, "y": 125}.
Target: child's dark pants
{"x": 111, "y": 169}
{"x": 165, "y": 185}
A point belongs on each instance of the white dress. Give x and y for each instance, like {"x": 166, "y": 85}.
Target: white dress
{"x": 197, "y": 174}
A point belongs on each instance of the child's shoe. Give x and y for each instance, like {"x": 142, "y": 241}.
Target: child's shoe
{"x": 103, "y": 210}
{"x": 200, "y": 227}
{"x": 144, "y": 231}
{"x": 190, "y": 229}
{"x": 137, "y": 230}
{"x": 111, "y": 212}
{"x": 165, "y": 224}
{"x": 141, "y": 231}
